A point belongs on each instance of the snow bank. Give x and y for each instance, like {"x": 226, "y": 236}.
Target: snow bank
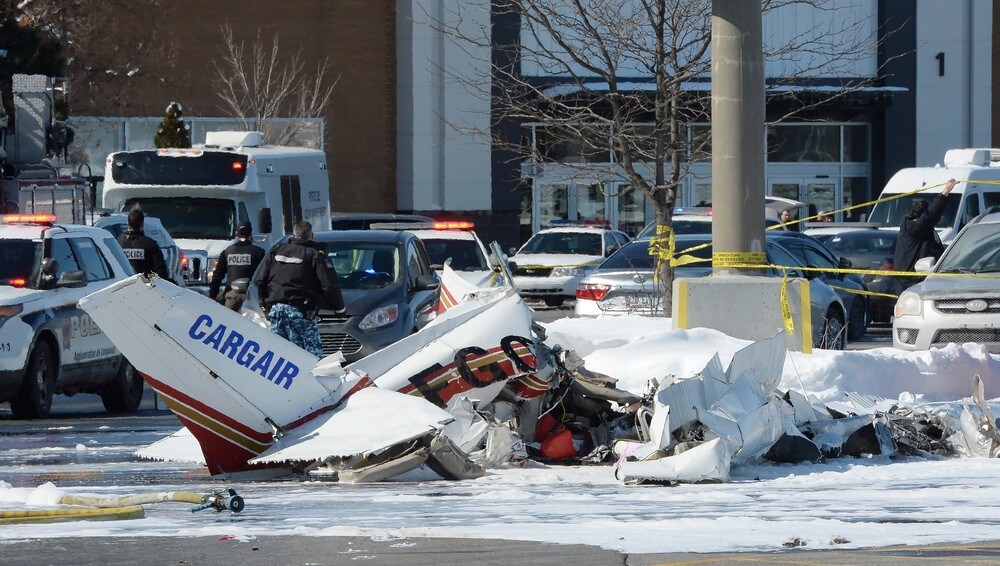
{"x": 635, "y": 349}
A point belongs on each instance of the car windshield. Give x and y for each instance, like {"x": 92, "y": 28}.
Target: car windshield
{"x": 891, "y": 212}
{"x": 364, "y": 265}
{"x": 976, "y": 250}
{"x": 849, "y": 243}
{"x": 465, "y": 254}
{"x": 187, "y": 217}
{"x": 583, "y": 243}
{"x": 636, "y": 255}
{"x": 19, "y": 262}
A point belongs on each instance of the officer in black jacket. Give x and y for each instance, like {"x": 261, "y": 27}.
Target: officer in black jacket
{"x": 917, "y": 236}
{"x": 143, "y": 253}
{"x": 294, "y": 284}
{"x": 238, "y": 261}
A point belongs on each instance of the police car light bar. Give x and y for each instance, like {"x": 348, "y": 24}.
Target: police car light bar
{"x": 29, "y": 218}
{"x": 452, "y": 225}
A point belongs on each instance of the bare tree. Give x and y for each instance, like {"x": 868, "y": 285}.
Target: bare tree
{"x": 259, "y": 84}
{"x": 628, "y": 79}
{"x": 109, "y": 59}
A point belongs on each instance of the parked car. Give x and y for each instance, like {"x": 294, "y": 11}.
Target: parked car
{"x": 458, "y": 242}
{"x": 551, "y": 263}
{"x": 698, "y": 220}
{"x": 364, "y": 220}
{"x": 48, "y": 345}
{"x": 870, "y": 249}
{"x": 389, "y": 288}
{"x": 951, "y": 308}
{"x": 117, "y": 224}
{"x": 623, "y": 284}
{"x": 851, "y": 287}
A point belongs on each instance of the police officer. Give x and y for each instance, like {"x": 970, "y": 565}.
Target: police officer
{"x": 142, "y": 252}
{"x": 238, "y": 261}
{"x": 294, "y": 284}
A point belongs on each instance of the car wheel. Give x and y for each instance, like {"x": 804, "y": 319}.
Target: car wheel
{"x": 833, "y": 336}
{"x": 554, "y": 301}
{"x": 34, "y": 399}
{"x": 858, "y": 321}
{"x": 124, "y": 393}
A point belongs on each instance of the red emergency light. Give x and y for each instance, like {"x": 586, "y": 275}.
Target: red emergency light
{"x": 17, "y": 282}
{"x": 237, "y": 166}
{"x": 29, "y": 218}
{"x": 454, "y": 225}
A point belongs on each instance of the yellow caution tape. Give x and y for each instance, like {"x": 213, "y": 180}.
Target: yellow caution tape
{"x": 735, "y": 259}
{"x": 864, "y": 292}
{"x": 786, "y": 309}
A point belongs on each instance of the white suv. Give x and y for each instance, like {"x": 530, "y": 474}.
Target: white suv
{"x": 47, "y": 344}
{"x": 551, "y": 263}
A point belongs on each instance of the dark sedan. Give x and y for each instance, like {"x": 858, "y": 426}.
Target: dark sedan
{"x": 870, "y": 249}
{"x": 389, "y": 288}
{"x": 851, "y": 288}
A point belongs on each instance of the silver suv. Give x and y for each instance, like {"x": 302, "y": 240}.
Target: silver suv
{"x": 948, "y": 307}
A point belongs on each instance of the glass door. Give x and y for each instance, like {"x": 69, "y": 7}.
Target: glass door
{"x": 630, "y": 209}
{"x": 823, "y": 194}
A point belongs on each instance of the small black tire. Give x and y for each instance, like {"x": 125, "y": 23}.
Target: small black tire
{"x": 34, "y": 398}
{"x": 124, "y": 393}
{"x": 857, "y": 322}
{"x": 554, "y": 301}
{"x": 834, "y": 333}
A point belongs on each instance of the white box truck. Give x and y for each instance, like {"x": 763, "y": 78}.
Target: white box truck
{"x": 203, "y": 193}
{"x": 978, "y": 173}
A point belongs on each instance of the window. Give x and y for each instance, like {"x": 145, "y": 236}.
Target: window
{"x": 804, "y": 143}
{"x": 291, "y": 201}
{"x": 609, "y": 242}
{"x": 971, "y": 209}
{"x": 413, "y": 267}
{"x": 116, "y": 250}
{"x": 63, "y": 254}
{"x": 991, "y": 199}
{"x": 95, "y": 267}
{"x": 778, "y": 256}
{"x": 190, "y": 217}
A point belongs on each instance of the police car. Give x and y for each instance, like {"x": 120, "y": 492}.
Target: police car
{"x": 455, "y": 241}
{"x": 47, "y": 344}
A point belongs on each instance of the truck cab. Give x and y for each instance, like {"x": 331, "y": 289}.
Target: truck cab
{"x": 202, "y": 194}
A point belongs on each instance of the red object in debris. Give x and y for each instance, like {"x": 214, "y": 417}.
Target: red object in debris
{"x": 559, "y": 446}
{"x": 544, "y": 427}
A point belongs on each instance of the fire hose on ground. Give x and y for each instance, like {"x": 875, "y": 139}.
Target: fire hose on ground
{"x": 83, "y": 508}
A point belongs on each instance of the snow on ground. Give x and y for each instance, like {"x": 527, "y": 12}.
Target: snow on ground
{"x": 842, "y": 503}
{"x": 635, "y": 349}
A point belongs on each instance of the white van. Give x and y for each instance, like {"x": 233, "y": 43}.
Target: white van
{"x": 970, "y": 197}
{"x": 202, "y": 194}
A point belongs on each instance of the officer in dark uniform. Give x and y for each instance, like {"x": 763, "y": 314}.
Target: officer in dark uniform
{"x": 294, "y": 285}
{"x": 143, "y": 253}
{"x": 238, "y": 261}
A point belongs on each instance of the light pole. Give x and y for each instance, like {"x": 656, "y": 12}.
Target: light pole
{"x": 737, "y": 135}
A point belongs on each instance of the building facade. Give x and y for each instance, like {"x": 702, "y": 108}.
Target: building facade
{"x": 414, "y": 124}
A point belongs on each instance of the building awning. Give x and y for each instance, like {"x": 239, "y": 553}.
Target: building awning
{"x": 557, "y": 91}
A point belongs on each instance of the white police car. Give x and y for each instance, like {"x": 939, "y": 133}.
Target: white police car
{"x": 47, "y": 344}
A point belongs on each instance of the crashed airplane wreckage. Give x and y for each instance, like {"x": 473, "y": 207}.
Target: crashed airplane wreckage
{"x": 700, "y": 426}
{"x": 475, "y": 389}
{"x": 259, "y": 406}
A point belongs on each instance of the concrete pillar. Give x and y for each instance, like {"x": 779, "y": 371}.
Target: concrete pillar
{"x": 737, "y": 134}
